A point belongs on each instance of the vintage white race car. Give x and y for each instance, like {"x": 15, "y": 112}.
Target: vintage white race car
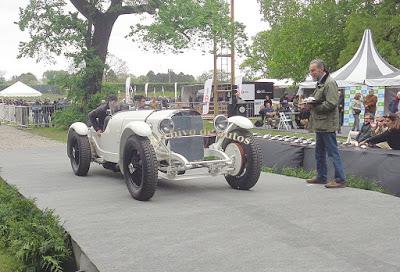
{"x": 147, "y": 144}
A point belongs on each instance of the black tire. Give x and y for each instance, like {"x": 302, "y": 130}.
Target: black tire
{"x": 251, "y": 170}
{"x": 79, "y": 153}
{"x": 140, "y": 168}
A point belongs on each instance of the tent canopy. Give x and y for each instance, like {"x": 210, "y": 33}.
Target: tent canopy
{"x": 392, "y": 79}
{"x": 19, "y": 89}
{"x": 365, "y": 64}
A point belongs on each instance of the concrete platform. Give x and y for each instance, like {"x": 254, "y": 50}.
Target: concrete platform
{"x": 203, "y": 225}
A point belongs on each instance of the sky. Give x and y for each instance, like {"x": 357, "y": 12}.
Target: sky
{"x": 139, "y": 62}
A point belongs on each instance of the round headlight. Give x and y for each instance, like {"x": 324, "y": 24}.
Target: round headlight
{"x": 220, "y": 122}
{"x": 166, "y": 126}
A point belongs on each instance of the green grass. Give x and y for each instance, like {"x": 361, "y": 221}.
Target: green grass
{"x": 8, "y": 263}
{"x": 352, "y": 181}
{"x": 57, "y": 134}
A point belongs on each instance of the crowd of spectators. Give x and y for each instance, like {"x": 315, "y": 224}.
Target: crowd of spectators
{"x": 270, "y": 111}
{"x": 41, "y": 109}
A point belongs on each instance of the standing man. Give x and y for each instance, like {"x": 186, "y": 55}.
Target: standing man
{"x": 325, "y": 121}
{"x": 370, "y": 103}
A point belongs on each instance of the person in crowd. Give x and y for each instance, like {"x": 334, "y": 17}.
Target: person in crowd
{"x": 356, "y": 108}
{"x": 267, "y": 112}
{"x": 46, "y": 109}
{"x": 325, "y": 121}
{"x": 366, "y": 129}
{"x": 370, "y": 102}
{"x": 37, "y": 113}
{"x": 341, "y": 110}
{"x": 154, "y": 104}
{"x": 271, "y": 117}
{"x": 390, "y": 136}
{"x": 304, "y": 117}
{"x": 379, "y": 126}
{"x": 267, "y": 100}
{"x": 141, "y": 103}
{"x": 98, "y": 116}
{"x": 394, "y": 105}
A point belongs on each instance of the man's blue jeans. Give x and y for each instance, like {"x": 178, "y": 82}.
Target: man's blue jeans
{"x": 327, "y": 145}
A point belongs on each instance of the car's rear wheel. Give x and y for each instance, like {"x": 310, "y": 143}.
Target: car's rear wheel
{"x": 247, "y": 160}
{"x": 140, "y": 168}
{"x": 79, "y": 153}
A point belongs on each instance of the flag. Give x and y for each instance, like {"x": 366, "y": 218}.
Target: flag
{"x": 207, "y": 95}
{"x": 146, "y": 86}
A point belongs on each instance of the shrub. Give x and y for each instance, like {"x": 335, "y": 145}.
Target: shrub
{"x": 34, "y": 237}
{"x": 64, "y": 118}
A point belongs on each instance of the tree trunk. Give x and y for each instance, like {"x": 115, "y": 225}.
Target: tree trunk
{"x": 96, "y": 59}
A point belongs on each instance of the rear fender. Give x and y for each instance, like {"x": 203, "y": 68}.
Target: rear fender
{"x": 80, "y": 128}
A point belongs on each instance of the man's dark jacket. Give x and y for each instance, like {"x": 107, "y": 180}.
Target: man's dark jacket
{"x": 325, "y": 115}
{"x": 98, "y": 115}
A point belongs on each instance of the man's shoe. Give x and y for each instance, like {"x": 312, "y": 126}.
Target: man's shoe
{"x": 335, "y": 184}
{"x": 315, "y": 181}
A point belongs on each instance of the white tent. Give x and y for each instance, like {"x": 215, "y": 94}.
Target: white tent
{"x": 387, "y": 80}
{"x": 19, "y": 89}
{"x": 365, "y": 64}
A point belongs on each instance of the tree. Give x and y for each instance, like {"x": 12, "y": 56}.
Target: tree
{"x": 84, "y": 33}
{"x": 116, "y": 69}
{"x": 27, "y": 78}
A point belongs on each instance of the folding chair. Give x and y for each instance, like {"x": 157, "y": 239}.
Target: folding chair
{"x": 284, "y": 122}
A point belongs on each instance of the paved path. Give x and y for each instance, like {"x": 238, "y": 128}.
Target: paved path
{"x": 202, "y": 225}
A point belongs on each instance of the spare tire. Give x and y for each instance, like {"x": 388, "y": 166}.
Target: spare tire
{"x": 249, "y": 160}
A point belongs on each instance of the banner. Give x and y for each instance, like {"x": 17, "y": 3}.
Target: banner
{"x": 127, "y": 88}
{"x": 176, "y": 90}
{"x": 207, "y": 95}
{"x": 248, "y": 91}
{"x": 349, "y": 93}
{"x": 146, "y": 86}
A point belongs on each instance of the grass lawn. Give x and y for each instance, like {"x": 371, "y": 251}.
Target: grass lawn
{"x": 8, "y": 263}
{"x": 56, "y": 134}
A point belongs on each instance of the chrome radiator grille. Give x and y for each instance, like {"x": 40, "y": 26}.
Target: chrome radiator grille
{"x": 192, "y": 147}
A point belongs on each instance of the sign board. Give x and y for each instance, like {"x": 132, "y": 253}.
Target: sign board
{"x": 247, "y": 91}
{"x": 262, "y": 89}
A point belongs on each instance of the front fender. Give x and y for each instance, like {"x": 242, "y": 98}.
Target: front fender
{"x": 139, "y": 128}
{"x": 80, "y": 128}
{"x": 132, "y": 128}
{"x": 241, "y": 122}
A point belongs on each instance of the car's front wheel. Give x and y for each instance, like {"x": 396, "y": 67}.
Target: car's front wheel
{"x": 79, "y": 153}
{"x": 140, "y": 167}
{"x": 247, "y": 159}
